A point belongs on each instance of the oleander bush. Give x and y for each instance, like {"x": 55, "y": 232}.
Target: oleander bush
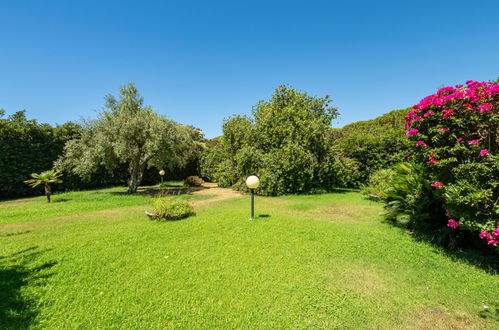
{"x": 455, "y": 133}
{"x": 169, "y": 209}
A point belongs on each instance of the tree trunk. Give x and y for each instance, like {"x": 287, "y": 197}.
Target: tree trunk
{"x": 135, "y": 178}
{"x": 48, "y": 192}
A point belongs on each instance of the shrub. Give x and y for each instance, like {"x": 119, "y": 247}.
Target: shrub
{"x": 373, "y": 144}
{"x": 456, "y": 137}
{"x": 168, "y": 209}
{"x": 378, "y": 184}
{"x": 193, "y": 181}
{"x": 410, "y": 200}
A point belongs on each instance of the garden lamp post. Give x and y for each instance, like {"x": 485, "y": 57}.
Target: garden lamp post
{"x": 162, "y": 173}
{"x": 252, "y": 182}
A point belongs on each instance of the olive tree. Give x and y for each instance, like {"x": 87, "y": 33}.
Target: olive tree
{"x": 127, "y": 132}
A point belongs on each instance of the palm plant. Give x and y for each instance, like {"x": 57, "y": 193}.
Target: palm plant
{"x": 45, "y": 178}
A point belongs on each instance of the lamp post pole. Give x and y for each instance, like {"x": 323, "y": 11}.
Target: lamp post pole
{"x": 252, "y": 182}
{"x": 252, "y": 204}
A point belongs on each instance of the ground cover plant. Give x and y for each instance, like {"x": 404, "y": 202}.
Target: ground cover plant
{"x": 93, "y": 260}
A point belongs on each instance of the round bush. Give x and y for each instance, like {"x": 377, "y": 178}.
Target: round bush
{"x": 168, "y": 209}
{"x": 193, "y": 181}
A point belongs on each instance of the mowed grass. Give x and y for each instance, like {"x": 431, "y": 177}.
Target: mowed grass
{"x": 94, "y": 260}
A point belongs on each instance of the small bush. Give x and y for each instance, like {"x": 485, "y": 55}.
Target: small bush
{"x": 193, "y": 181}
{"x": 168, "y": 209}
{"x": 378, "y": 184}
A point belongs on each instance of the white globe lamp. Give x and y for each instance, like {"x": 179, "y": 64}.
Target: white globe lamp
{"x": 252, "y": 182}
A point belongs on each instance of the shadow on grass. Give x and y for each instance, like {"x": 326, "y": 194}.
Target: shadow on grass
{"x": 18, "y": 310}
{"x": 158, "y": 192}
{"x": 15, "y": 233}
{"x": 458, "y": 246}
{"x": 263, "y": 216}
{"x": 60, "y": 200}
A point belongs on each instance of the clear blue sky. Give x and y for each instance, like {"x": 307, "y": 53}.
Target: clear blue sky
{"x": 200, "y": 61}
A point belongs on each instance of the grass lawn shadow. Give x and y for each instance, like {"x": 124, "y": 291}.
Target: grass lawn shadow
{"x": 472, "y": 251}
{"x": 17, "y": 310}
{"x": 159, "y": 192}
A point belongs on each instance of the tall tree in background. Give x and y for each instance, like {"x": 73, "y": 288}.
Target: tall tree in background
{"x": 127, "y": 132}
{"x": 287, "y": 143}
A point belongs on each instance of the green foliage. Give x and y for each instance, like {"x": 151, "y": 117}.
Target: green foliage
{"x": 170, "y": 209}
{"x": 373, "y": 144}
{"x": 378, "y": 184}
{"x": 409, "y": 198}
{"x": 287, "y": 143}
{"x": 128, "y": 133}
{"x": 27, "y": 146}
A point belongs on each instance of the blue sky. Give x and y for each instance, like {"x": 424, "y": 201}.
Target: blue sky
{"x": 200, "y": 61}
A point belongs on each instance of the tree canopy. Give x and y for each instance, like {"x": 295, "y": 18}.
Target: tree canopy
{"x": 287, "y": 143}
{"x": 127, "y": 132}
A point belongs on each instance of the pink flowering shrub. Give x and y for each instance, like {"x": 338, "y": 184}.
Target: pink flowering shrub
{"x": 456, "y": 134}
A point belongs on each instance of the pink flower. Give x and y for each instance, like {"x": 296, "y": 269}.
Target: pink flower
{"x": 412, "y": 131}
{"x": 448, "y": 213}
{"x": 485, "y": 234}
{"x": 452, "y": 224}
{"x": 485, "y": 107}
{"x": 420, "y": 143}
{"x": 446, "y": 90}
{"x": 484, "y": 152}
{"x": 429, "y": 113}
{"x": 469, "y": 106}
{"x": 474, "y": 142}
{"x": 443, "y": 130}
{"x": 492, "y": 241}
{"x": 447, "y": 113}
{"x": 438, "y": 185}
{"x": 459, "y": 139}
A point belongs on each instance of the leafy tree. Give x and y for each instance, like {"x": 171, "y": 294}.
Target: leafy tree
{"x": 373, "y": 144}
{"x": 287, "y": 143}
{"x": 46, "y": 178}
{"x": 127, "y": 132}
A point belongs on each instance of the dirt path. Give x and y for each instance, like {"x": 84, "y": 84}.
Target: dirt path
{"x": 9, "y": 204}
{"x": 220, "y": 194}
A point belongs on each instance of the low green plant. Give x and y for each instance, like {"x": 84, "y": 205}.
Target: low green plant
{"x": 378, "y": 184}
{"x": 169, "y": 209}
{"x": 409, "y": 198}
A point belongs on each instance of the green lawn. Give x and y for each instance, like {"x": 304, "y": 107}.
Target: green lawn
{"x": 94, "y": 260}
